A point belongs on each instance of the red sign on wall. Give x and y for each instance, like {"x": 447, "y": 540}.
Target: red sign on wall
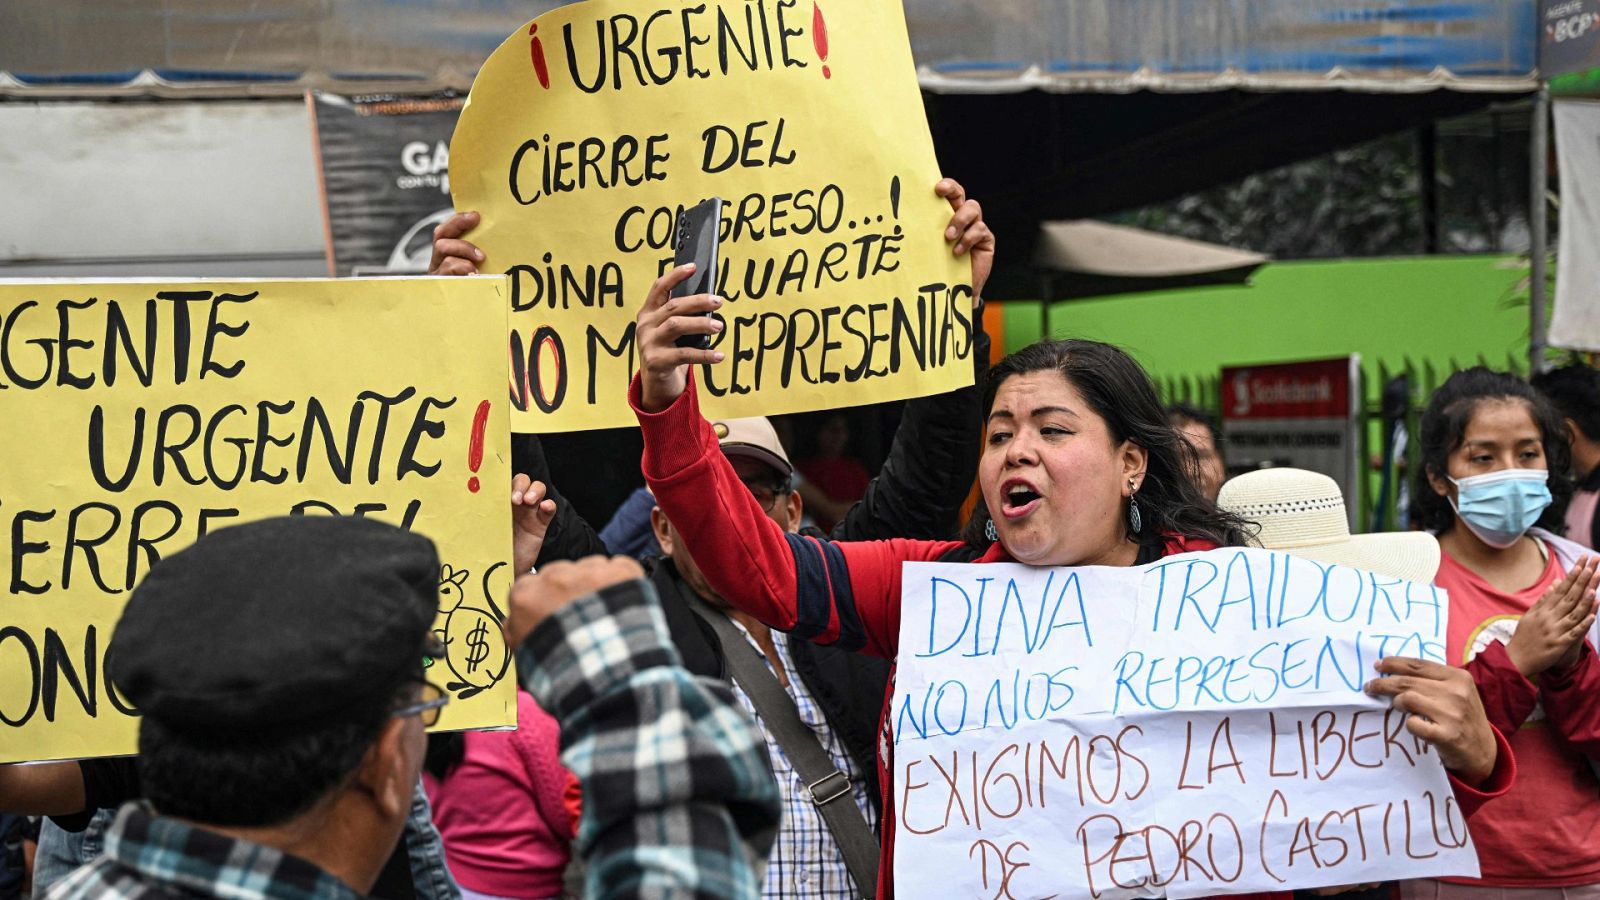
{"x": 1300, "y": 414}
{"x": 1305, "y": 390}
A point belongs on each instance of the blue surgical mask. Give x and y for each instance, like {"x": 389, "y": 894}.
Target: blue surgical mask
{"x": 1501, "y": 506}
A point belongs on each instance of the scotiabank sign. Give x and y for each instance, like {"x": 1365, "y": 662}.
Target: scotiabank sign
{"x": 1300, "y": 414}
{"x": 1308, "y": 390}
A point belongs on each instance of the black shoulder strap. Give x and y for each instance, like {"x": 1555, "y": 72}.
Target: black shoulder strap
{"x": 829, "y": 787}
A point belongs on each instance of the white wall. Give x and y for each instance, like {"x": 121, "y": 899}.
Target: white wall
{"x": 141, "y": 188}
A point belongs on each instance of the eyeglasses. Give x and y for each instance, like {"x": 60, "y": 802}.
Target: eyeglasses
{"x": 430, "y": 702}
{"x": 766, "y": 493}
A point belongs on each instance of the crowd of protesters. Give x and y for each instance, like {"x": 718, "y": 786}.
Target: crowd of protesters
{"x": 711, "y": 721}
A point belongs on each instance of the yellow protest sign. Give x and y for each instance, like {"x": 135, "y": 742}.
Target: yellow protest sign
{"x": 590, "y": 128}
{"x": 140, "y": 416}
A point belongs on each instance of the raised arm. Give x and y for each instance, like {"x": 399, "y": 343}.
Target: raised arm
{"x": 931, "y": 466}
{"x": 934, "y": 459}
{"x": 679, "y": 799}
{"x": 1553, "y": 661}
{"x": 817, "y": 590}
{"x": 545, "y": 527}
{"x": 1508, "y": 698}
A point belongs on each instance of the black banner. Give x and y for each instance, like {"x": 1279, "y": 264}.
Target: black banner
{"x": 385, "y": 178}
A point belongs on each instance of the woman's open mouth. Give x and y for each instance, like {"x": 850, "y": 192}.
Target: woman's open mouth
{"x": 1018, "y": 498}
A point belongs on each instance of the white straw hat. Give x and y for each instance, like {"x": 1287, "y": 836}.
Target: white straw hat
{"x": 1303, "y": 513}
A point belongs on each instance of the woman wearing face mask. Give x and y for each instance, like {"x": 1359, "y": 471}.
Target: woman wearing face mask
{"x": 1080, "y": 467}
{"x": 1494, "y": 457}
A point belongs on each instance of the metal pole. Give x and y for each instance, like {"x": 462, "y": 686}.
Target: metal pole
{"x": 1428, "y": 174}
{"x": 1539, "y": 227}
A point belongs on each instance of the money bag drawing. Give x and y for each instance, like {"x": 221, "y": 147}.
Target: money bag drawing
{"x": 475, "y": 649}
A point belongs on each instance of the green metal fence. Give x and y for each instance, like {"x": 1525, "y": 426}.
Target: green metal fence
{"x": 1422, "y": 379}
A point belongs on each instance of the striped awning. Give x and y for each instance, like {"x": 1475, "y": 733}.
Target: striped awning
{"x": 243, "y": 48}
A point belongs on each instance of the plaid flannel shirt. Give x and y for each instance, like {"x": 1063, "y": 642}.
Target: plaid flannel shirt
{"x": 148, "y": 856}
{"x": 677, "y": 797}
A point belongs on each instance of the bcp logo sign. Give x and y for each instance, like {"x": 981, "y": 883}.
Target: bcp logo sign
{"x": 1570, "y": 27}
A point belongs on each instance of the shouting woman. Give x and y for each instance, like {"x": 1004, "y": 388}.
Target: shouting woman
{"x": 1080, "y": 467}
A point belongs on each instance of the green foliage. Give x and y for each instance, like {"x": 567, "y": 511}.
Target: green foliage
{"x": 1363, "y": 201}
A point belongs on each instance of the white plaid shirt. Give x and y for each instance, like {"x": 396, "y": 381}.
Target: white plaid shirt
{"x": 805, "y": 860}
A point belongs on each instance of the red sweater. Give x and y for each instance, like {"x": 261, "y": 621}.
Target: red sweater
{"x": 1546, "y": 832}
{"x": 823, "y": 591}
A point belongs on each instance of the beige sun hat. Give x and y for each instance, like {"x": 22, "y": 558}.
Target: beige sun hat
{"x": 1303, "y": 513}
{"x": 754, "y": 438}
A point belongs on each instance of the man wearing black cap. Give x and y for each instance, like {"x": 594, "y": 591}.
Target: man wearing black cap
{"x": 278, "y": 754}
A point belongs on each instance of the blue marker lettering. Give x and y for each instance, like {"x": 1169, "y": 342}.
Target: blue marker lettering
{"x": 1066, "y": 687}
{"x": 977, "y": 621}
{"x": 1083, "y": 613}
{"x": 933, "y": 616}
{"x": 1000, "y": 621}
{"x": 1189, "y": 596}
{"x": 1328, "y": 590}
{"x": 1151, "y": 682}
{"x": 1329, "y": 658}
{"x": 1229, "y": 681}
{"x": 1123, "y": 684}
{"x": 1214, "y": 666}
{"x": 1287, "y": 648}
{"x": 1381, "y": 589}
{"x": 1284, "y": 600}
{"x": 1249, "y": 596}
{"x": 997, "y": 701}
{"x": 907, "y": 714}
{"x": 1276, "y": 681}
{"x": 939, "y": 705}
{"x": 1161, "y": 592}
{"x": 1429, "y": 599}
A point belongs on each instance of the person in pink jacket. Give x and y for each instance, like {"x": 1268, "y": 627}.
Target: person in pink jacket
{"x": 505, "y": 806}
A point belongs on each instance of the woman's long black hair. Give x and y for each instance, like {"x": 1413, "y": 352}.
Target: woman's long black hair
{"x": 1117, "y": 388}
{"x": 1444, "y": 427}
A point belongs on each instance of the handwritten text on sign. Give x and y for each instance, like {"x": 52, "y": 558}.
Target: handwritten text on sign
{"x": 590, "y": 129}
{"x": 1191, "y": 727}
{"x": 142, "y": 416}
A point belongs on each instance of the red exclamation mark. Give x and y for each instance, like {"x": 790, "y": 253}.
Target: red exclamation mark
{"x": 819, "y": 38}
{"x": 536, "y": 53}
{"x": 475, "y": 445}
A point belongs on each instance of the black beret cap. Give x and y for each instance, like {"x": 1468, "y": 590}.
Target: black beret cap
{"x": 277, "y": 624}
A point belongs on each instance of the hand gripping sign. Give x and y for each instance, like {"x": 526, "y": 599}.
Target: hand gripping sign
{"x": 139, "y": 416}
{"x": 590, "y": 129}
{"x": 1188, "y": 728}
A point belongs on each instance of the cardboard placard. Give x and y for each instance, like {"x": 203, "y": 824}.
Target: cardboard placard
{"x": 143, "y": 415}
{"x": 590, "y": 129}
{"x": 1192, "y": 727}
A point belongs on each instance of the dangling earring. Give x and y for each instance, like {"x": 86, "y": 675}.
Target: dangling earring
{"x": 990, "y": 532}
{"x": 1135, "y": 522}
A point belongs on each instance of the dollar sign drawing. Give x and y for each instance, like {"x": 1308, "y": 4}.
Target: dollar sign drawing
{"x": 478, "y": 646}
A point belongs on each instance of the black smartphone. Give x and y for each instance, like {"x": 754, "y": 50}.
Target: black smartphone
{"x": 696, "y": 242}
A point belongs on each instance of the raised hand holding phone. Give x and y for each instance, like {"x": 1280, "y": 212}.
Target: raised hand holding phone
{"x": 696, "y": 239}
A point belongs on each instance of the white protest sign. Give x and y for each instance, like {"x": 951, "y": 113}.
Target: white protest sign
{"x": 1191, "y": 727}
